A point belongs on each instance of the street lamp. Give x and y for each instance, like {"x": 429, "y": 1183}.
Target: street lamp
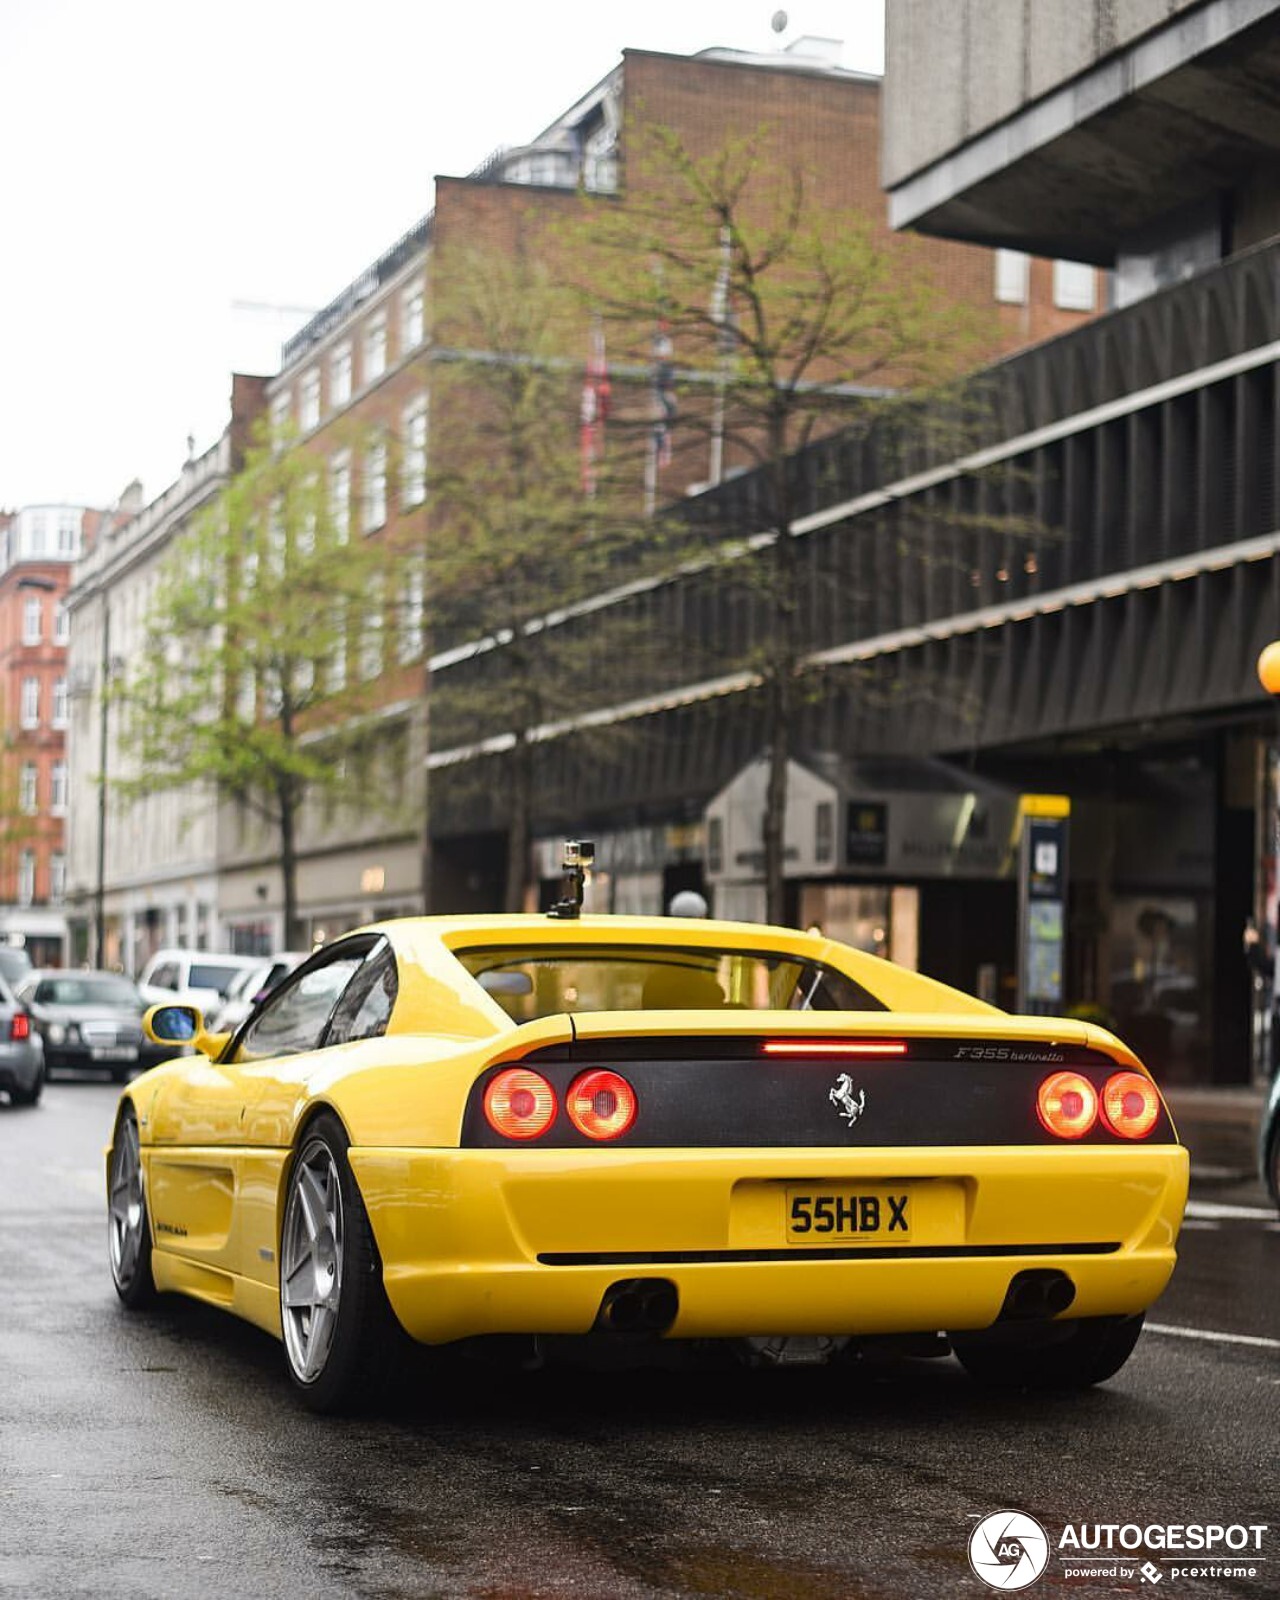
{"x": 100, "y": 888}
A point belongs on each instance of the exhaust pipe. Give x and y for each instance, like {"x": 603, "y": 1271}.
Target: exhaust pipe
{"x": 1036, "y": 1294}
{"x": 638, "y": 1305}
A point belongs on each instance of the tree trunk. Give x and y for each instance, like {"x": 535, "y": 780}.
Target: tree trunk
{"x": 289, "y": 864}
{"x": 418, "y": 754}
{"x": 775, "y": 801}
{"x": 779, "y": 679}
{"x": 519, "y": 826}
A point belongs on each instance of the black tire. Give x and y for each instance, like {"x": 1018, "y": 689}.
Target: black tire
{"x": 31, "y": 1096}
{"x": 128, "y": 1225}
{"x": 1048, "y": 1355}
{"x": 1271, "y": 1167}
{"x": 341, "y": 1339}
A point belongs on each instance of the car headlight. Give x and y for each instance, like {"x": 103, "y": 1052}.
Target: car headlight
{"x": 55, "y": 1033}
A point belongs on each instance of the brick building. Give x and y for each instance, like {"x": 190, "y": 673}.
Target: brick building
{"x": 38, "y": 545}
{"x": 355, "y": 385}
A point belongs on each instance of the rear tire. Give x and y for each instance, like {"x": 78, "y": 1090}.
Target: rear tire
{"x": 31, "y": 1096}
{"x": 128, "y": 1226}
{"x": 1048, "y": 1355}
{"x": 1271, "y": 1169}
{"x": 340, "y": 1335}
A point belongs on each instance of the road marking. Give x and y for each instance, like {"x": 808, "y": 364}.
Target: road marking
{"x": 1253, "y": 1340}
{"x": 1212, "y": 1211}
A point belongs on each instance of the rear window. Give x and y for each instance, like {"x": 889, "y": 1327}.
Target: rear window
{"x": 209, "y": 975}
{"x": 530, "y": 981}
{"x": 86, "y": 991}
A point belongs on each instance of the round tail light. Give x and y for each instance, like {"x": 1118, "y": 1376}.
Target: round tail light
{"x": 520, "y": 1104}
{"x": 1130, "y": 1105}
{"x": 1067, "y": 1105}
{"x": 601, "y": 1104}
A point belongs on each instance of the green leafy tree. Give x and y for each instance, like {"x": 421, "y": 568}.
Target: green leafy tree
{"x": 264, "y": 648}
{"x": 777, "y": 318}
{"x": 528, "y": 513}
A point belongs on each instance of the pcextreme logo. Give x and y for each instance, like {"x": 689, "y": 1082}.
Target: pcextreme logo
{"x": 1010, "y": 1550}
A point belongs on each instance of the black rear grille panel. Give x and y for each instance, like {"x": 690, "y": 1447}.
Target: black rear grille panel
{"x": 730, "y": 1094}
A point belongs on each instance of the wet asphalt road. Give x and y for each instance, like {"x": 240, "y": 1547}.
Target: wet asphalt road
{"x": 163, "y": 1455}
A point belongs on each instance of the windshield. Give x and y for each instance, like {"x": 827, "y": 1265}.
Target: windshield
{"x": 84, "y": 989}
{"x": 530, "y": 981}
{"x": 208, "y": 975}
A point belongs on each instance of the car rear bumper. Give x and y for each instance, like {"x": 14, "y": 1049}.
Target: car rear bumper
{"x": 476, "y": 1242}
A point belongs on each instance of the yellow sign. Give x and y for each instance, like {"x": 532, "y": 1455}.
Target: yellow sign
{"x": 1045, "y": 805}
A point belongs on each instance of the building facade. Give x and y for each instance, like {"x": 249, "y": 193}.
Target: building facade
{"x": 141, "y": 870}
{"x": 355, "y": 389}
{"x": 38, "y": 546}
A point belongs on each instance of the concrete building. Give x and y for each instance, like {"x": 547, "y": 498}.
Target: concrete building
{"x": 142, "y": 872}
{"x": 1141, "y": 137}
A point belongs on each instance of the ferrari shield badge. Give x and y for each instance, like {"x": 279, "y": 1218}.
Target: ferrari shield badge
{"x": 850, "y": 1105}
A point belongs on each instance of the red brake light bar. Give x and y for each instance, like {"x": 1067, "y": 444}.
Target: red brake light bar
{"x": 835, "y": 1047}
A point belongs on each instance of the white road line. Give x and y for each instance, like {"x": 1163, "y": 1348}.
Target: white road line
{"x": 1212, "y": 1211}
{"x": 1253, "y": 1340}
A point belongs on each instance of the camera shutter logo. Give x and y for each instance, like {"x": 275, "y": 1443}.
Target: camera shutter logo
{"x": 1008, "y": 1550}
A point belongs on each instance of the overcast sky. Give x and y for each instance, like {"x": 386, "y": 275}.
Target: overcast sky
{"x": 164, "y": 159}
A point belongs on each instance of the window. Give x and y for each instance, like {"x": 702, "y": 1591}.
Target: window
{"x": 69, "y": 535}
{"x": 304, "y": 538}
{"x": 375, "y": 487}
{"x": 340, "y": 374}
{"x": 58, "y": 789}
{"x": 60, "y": 702}
{"x": 276, "y": 537}
{"x": 31, "y": 702}
{"x": 36, "y": 536}
{"x": 1013, "y": 272}
{"x": 413, "y": 476}
{"x": 412, "y": 324}
{"x": 61, "y": 623}
{"x": 338, "y": 660}
{"x": 365, "y": 1008}
{"x": 281, "y": 415}
{"x": 32, "y": 619}
{"x": 340, "y": 496}
{"x": 57, "y": 878}
{"x": 27, "y": 877}
{"x": 27, "y": 789}
{"x": 1074, "y": 286}
{"x": 309, "y": 405}
{"x": 371, "y": 641}
{"x": 375, "y": 348}
{"x": 412, "y": 606}
{"x": 294, "y": 1018}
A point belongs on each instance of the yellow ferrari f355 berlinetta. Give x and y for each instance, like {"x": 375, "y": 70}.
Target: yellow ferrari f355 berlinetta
{"x": 655, "y": 1133}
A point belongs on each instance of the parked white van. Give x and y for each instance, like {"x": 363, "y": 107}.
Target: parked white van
{"x": 191, "y": 977}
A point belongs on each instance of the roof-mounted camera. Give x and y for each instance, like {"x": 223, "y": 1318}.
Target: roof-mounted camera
{"x": 579, "y": 854}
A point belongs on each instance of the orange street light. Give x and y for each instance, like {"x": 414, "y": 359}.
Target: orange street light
{"x": 1269, "y": 668}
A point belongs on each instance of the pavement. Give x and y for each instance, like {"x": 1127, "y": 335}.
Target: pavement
{"x": 1219, "y": 1125}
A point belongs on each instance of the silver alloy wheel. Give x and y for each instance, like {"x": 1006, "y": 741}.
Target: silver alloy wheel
{"x": 311, "y": 1261}
{"x": 126, "y": 1206}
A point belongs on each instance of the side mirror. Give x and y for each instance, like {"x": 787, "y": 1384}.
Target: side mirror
{"x": 172, "y": 1024}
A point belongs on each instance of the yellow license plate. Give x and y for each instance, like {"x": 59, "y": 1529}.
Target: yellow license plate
{"x": 850, "y": 1214}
